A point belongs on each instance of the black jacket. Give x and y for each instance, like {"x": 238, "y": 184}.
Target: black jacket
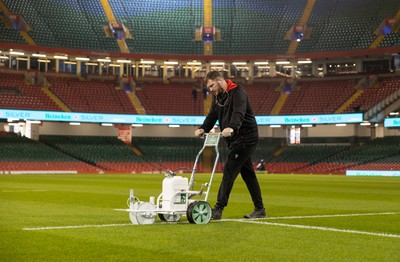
{"x": 233, "y": 110}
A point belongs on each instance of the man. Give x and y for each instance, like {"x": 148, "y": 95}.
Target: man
{"x": 261, "y": 165}
{"x": 239, "y": 128}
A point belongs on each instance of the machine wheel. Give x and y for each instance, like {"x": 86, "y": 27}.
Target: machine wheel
{"x": 199, "y": 212}
{"x": 132, "y": 215}
{"x": 146, "y": 213}
{"x": 170, "y": 217}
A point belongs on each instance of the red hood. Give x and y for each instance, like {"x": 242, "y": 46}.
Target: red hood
{"x": 231, "y": 85}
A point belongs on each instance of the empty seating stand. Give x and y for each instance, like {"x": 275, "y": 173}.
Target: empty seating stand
{"x": 97, "y": 96}
{"x": 262, "y": 96}
{"x": 16, "y": 94}
{"x": 373, "y": 95}
{"x": 22, "y": 154}
{"x": 107, "y": 153}
{"x": 171, "y": 99}
{"x": 318, "y": 97}
{"x": 167, "y": 26}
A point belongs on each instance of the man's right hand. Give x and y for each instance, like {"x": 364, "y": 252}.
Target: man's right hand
{"x": 199, "y": 132}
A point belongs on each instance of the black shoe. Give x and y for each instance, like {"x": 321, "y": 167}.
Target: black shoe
{"x": 257, "y": 213}
{"x": 216, "y": 213}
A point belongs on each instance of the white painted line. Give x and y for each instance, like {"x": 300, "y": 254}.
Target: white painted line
{"x": 322, "y": 228}
{"x": 23, "y": 190}
{"x": 72, "y": 227}
{"x": 337, "y": 215}
{"x": 312, "y": 216}
{"x": 258, "y": 220}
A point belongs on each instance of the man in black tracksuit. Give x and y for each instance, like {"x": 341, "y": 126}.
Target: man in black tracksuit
{"x": 239, "y": 127}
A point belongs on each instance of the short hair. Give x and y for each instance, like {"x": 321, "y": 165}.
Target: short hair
{"x": 213, "y": 75}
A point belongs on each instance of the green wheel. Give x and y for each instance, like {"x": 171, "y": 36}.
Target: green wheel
{"x": 199, "y": 212}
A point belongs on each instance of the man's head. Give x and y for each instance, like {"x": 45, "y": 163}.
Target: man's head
{"x": 215, "y": 82}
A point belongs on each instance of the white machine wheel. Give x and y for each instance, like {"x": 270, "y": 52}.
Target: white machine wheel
{"x": 145, "y": 214}
{"x": 170, "y": 217}
{"x": 132, "y": 215}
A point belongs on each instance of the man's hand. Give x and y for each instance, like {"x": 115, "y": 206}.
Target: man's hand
{"x": 227, "y": 132}
{"x": 199, "y": 132}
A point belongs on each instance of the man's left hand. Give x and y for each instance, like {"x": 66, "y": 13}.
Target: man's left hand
{"x": 227, "y": 132}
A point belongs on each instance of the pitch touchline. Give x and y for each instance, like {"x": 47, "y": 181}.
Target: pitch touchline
{"x": 223, "y": 220}
{"x": 337, "y": 215}
{"x": 73, "y": 227}
{"x": 321, "y": 228}
{"x": 23, "y": 190}
{"x": 317, "y": 216}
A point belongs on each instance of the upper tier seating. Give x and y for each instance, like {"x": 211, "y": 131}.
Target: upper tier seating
{"x": 167, "y": 26}
{"x": 345, "y": 25}
{"x": 63, "y": 23}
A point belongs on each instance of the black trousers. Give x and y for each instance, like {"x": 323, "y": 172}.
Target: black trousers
{"x": 239, "y": 161}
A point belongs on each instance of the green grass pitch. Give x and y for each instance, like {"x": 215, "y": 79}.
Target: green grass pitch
{"x": 310, "y": 218}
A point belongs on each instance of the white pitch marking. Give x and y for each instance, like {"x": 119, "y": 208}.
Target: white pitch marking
{"x": 72, "y": 227}
{"x": 23, "y": 190}
{"x": 223, "y": 220}
{"x": 337, "y": 215}
{"x": 322, "y": 228}
{"x": 313, "y": 216}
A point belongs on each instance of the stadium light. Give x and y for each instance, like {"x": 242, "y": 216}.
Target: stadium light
{"x": 306, "y": 125}
{"x": 39, "y": 55}
{"x": 218, "y": 63}
{"x": 82, "y": 59}
{"x": 16, "y": 53}
{"x": 173, "y": 125}
{"x": 341, "y": 125}
{"x": 75, "y": 123}
{"x": 282, "y": 62}
{"x": 261, "y": 63}
{"x": 103, "y": 60}
{"x": 304, "y": 62}
{"x": 60, "y": 57}
{"x": 170, "y": 63}
{"x": 365, "y": 124}
{"x": 193, "y": 63}
{"x": 275, "y": 126}
{"x": 107, "y": 124}
{"x": 126, "y": 61}
{"x": 3, "y": 57}
{"x": 147, "y": 62}
{"x": 137, "y": 125}
{"x": 12, "y": 119}
{"x": 239, "y": 63}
